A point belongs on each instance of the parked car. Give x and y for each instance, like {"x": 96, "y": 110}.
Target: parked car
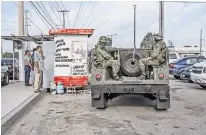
{"x": 185, "y": 73}
{"x": 4, "y": 74}
{"x": 173, "y": 56}
{"x": 9, "y": 63}
{"x": 177, "y": 65}
{"x": 198, "y": 74}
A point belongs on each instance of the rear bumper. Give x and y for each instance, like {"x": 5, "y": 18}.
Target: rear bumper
{"x": 96, "y": 90}
{"x": 174, "y": 72}
{"x": 198, "y": 80}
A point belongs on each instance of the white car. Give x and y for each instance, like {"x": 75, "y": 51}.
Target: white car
{"x": 173, "y": 56}
{"x": 198, "y": 74}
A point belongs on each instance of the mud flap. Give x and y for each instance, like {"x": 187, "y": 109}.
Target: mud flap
{"x": 101, "y": 102}
{"x": 163, "y": 102}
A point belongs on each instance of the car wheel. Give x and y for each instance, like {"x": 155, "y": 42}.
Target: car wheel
{"x": 182, "y": 75}
{"x": 176, "y": 77}
{"x": 203, "y": 86}
{"x": 6, "y": 80}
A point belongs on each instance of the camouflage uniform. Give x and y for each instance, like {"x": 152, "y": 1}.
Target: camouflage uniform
{"x": 147, "y": 41}
{"x": 157, "y": 54}
{"x": 104, "y": 58}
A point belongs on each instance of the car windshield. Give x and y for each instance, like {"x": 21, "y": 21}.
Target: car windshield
{"x": 172, "y": 56}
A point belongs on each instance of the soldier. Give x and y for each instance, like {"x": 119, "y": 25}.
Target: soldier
{"x": 104, "y": 58}
{"x": 148, "y": 41}
{"x": 157, "y": 54}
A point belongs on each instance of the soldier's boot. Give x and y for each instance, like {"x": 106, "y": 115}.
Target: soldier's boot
{"x": 116, "y": 77}
{"x": 143, "y": 73}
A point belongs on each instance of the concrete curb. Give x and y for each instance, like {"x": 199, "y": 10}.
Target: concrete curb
{"x": 19, "y": 111}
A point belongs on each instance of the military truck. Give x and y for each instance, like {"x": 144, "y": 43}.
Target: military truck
{"x": 154, "y": 86}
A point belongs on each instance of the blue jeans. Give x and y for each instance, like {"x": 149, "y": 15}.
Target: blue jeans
{"x": 27, "y": 70}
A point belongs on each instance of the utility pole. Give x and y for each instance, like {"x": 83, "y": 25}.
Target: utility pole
{"x": 134, "y": 32}
{"x": 63, "y": 12}
{"x": 111, "y": 37}
{"x": 27, "y": 25}
{"x": 2, "y": 47}
{"x": 161, "y": 18}
{"x": 21, "y": 33}
{"x": 201, "y": 42}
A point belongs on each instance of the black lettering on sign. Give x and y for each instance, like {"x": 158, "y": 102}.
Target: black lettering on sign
{"x": 58, "y": 54}
{"x": 78, "y": 66}
{"x": 80, "y": 70}
{"x": 58, "y": 50}
{"x": 61, "y": 65}
{"x": 65, "y": 49}
{"x": 71, "y": 60}
{"x": 61, "y": 57}
{"x": 57, "y": 60}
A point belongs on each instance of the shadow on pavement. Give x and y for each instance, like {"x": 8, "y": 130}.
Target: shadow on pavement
{"x": 132, "y": 100}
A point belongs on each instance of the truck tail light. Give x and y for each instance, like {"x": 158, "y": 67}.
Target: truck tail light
{"x": 161, "y": 76}
{"x": 98, "y": 77}
{"x": 172, "y": 66}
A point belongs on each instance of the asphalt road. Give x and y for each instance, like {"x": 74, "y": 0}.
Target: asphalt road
{"x": 126, "y": 115}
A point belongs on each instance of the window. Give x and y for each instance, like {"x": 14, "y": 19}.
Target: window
{"x": 172, "y": 56}
{"x": 204, "y": 70}
{"x": 201, "y": 59}
{"x": 192, "y": 61}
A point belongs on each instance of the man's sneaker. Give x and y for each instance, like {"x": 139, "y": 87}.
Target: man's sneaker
{"x": 36, "y": 91}
{"x": 41, "y": 89}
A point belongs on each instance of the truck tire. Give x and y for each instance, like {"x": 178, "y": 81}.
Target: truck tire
{"x": 101, "y": 102}
{"x": 6, "y": 80}
{"x": 176, "y": 77}
{"x": 129, "y": 67}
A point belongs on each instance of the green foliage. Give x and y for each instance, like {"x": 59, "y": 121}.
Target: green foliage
{"x": 10, "y": 55}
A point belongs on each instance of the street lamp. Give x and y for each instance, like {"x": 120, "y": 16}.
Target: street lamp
{"x": 111, "y": 37}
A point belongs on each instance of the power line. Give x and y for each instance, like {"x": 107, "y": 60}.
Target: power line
{"x": 54, "y": 6}
{"x": 40, "y": 13}
{"x": 85, "y": 17}
{"x": 92, "y": 10}
{"x": 63, "y": 12}
{"x": 66, "y": 14}
{"x": 84, "y": 11}
{"x": 30, "y": 19}
{"x": 50, "y": 5}
{"x": 102, "y": 23}
{"x": 97, "y": 14}
{"x": 45, "y": 12}
{"x": 77, "y": 14}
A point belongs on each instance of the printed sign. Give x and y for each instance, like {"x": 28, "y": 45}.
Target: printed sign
{"x": 70, "y": 57}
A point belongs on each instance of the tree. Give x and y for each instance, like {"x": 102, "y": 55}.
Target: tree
{"x": 10, "y": 55}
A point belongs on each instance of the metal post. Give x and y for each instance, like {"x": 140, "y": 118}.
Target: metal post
{"x": 13, "y": 62}
{"x": 21, "y": 33}
{"x": 63, "y": 12}
{"x": 161, "y": 18}
{"x": 134, "y": 31}
{"x": 111, "y": 37}
{"x": 201, "y": 42}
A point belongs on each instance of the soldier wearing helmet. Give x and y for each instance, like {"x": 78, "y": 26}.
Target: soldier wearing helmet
{"x": 157, "y": 54}
{"x": 103, "y": 57}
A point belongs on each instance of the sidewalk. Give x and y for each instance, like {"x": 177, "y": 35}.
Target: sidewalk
{"x": 16, "y": 99}
{"x": 13, "y": 95}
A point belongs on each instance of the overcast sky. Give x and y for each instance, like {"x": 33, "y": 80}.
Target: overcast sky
{"x": 183, "y": 21}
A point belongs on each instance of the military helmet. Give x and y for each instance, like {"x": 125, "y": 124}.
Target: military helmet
{"x": 103, "y": 39}
{"x": 157, "y": 36}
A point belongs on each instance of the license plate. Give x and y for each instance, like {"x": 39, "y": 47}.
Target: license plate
{"x": 128, "y": 90}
